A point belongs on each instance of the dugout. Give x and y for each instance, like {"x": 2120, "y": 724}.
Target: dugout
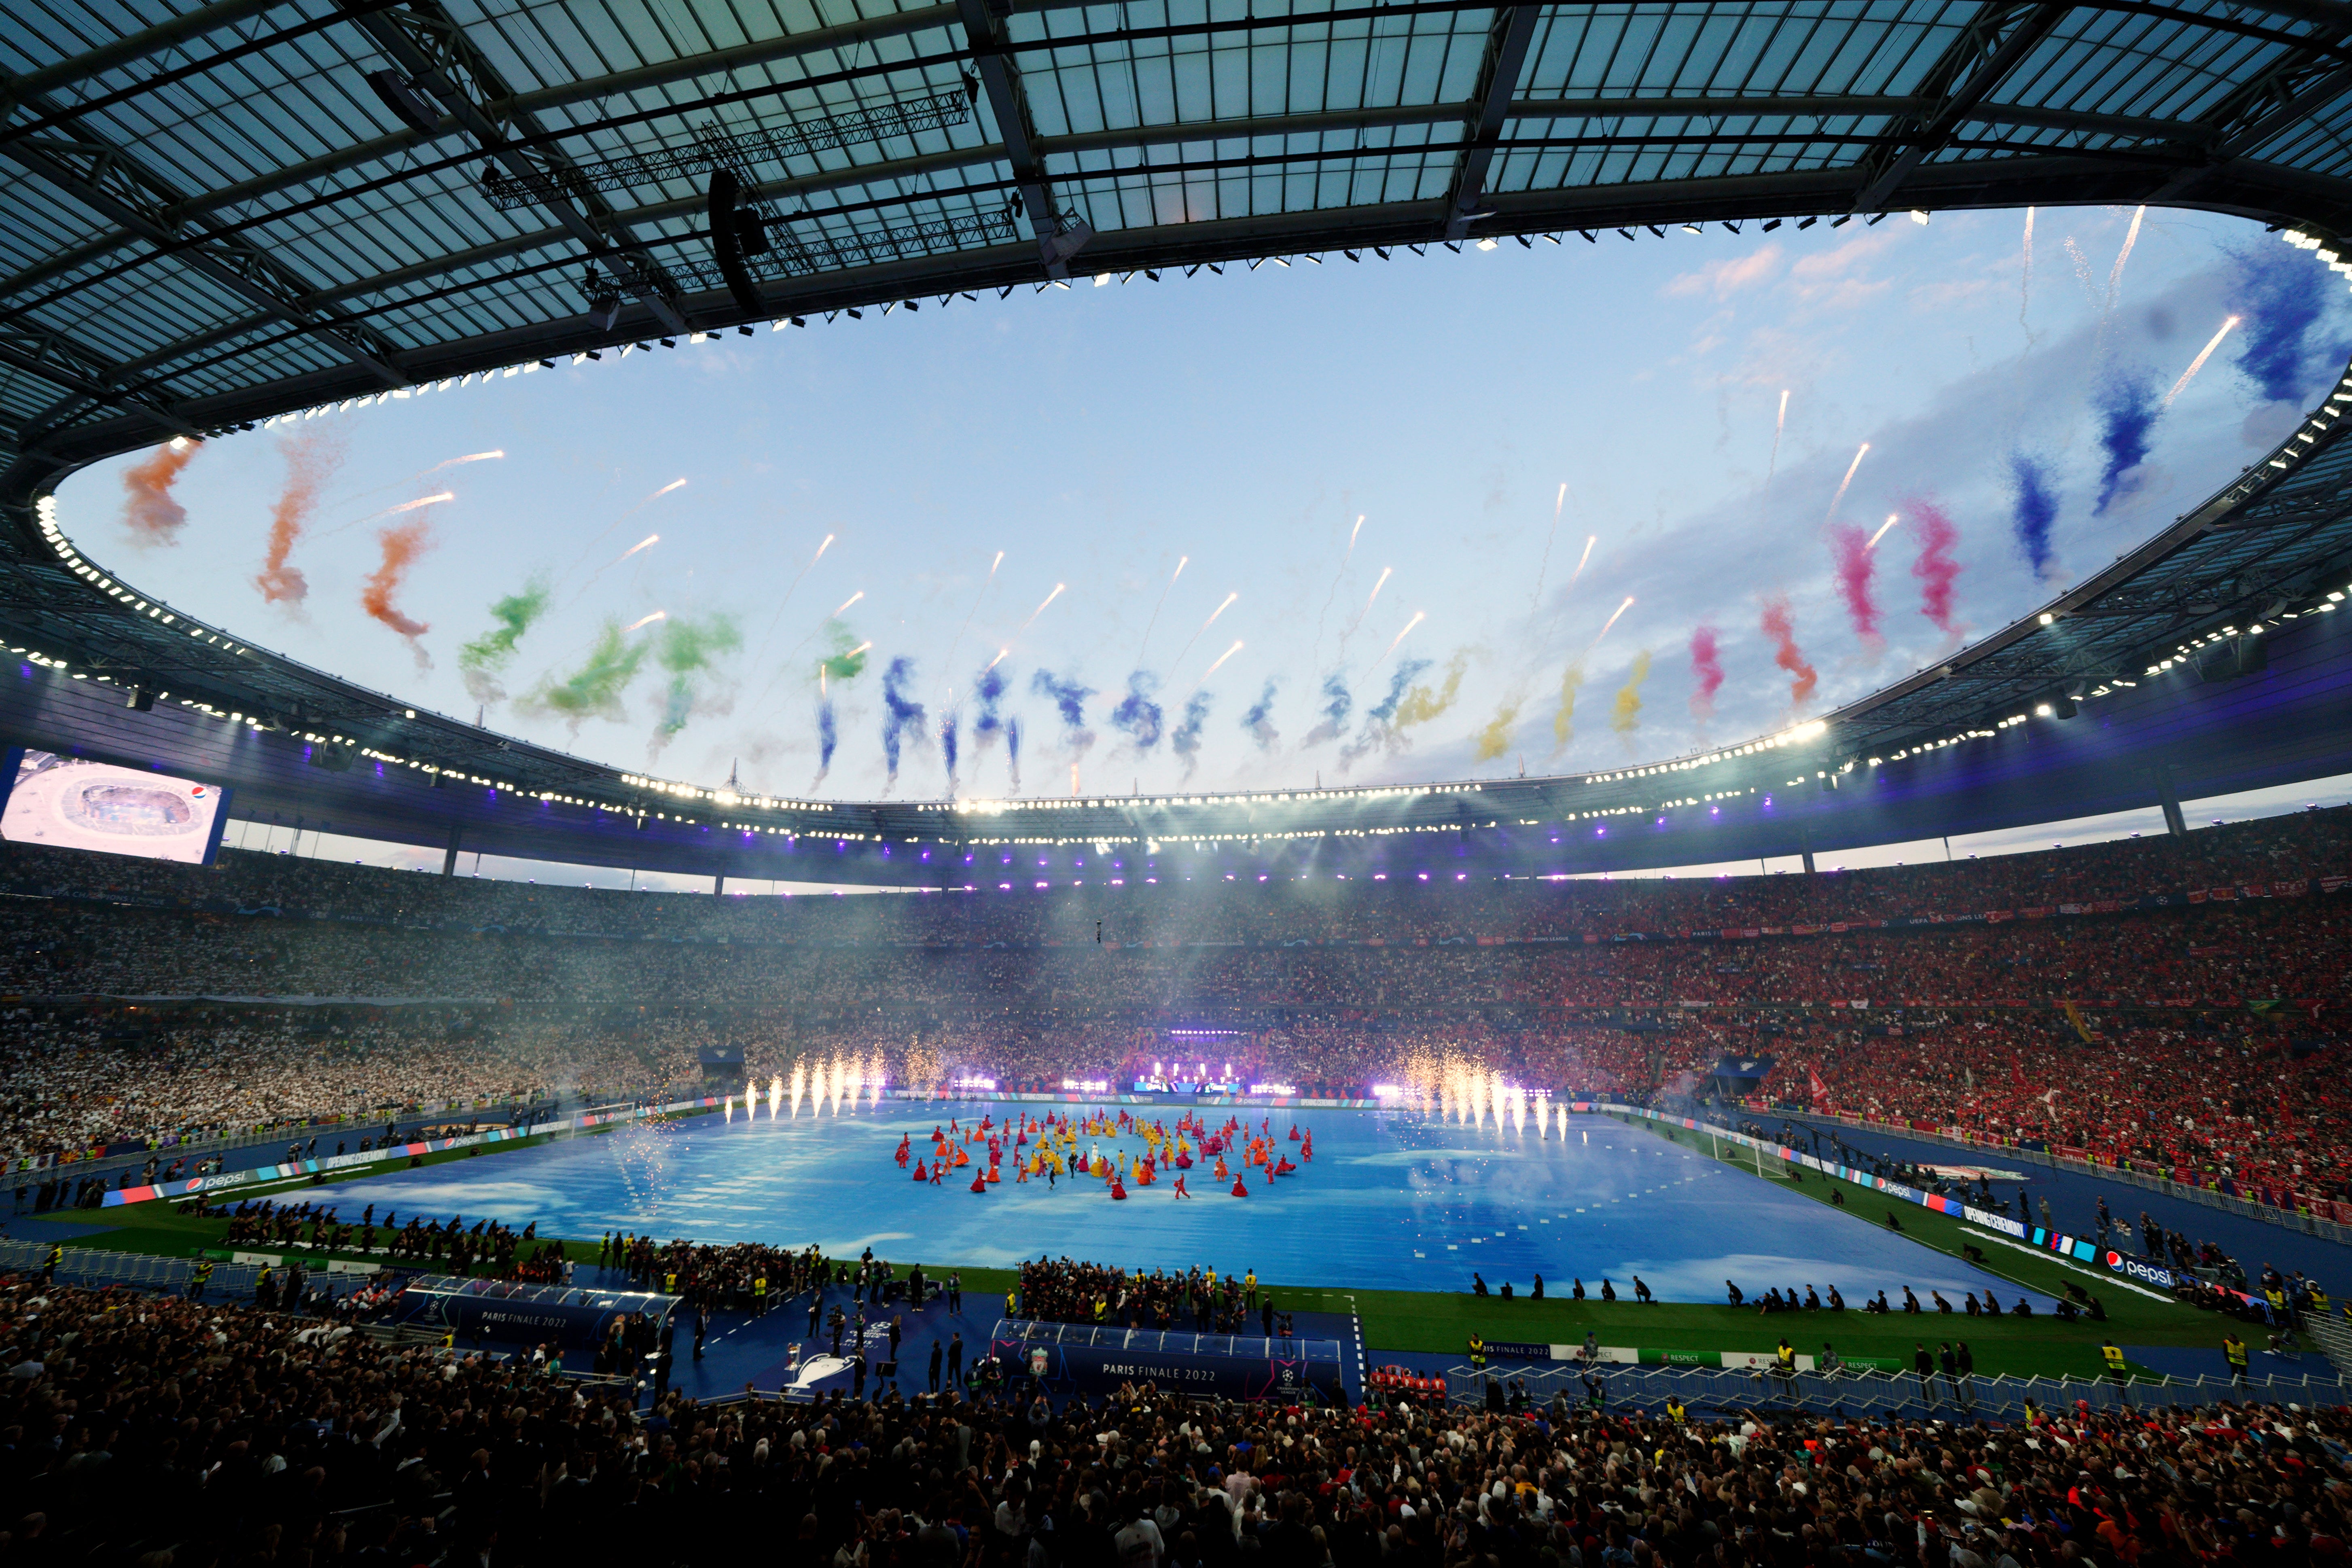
{"x": 506, "y": 1310}
{"x": 1080, "y": 1358}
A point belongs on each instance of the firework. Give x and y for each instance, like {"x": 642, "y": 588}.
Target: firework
{"x": 2131, "y": 237}
{"x": 1181, "y": 561}
{"x": 2199, "y": 363}
{"x": 1041, "y": 607}
{"x": 1842, "y": 483}
{"x": 1418, "y": 617}
{"x": 1590, "y": 540}
{"x": 1891, "y": 518}
{"x": 1213, "y": 667}
{"x": 644, "y": 621}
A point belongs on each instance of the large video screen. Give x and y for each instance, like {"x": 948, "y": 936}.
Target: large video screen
{"x": 69, "y": 803}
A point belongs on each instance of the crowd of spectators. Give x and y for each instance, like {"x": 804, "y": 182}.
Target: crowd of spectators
{"x": 167, "y": 1432}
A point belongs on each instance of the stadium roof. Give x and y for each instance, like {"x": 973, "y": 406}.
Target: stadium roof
{"x": 250, "y": 210}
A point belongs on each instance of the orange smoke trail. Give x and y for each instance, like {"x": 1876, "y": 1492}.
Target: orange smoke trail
{"x": 1781, "y": 627}
{"x": 402, "y": 545}
{"x": 311, "y": 461}
{"x": 148, "y": 509}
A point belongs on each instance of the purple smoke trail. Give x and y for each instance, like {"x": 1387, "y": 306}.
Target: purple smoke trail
{"x": 1138, "y": 716}
{"x": 828, "y": 736}
{"x": 1069, "y": 698}
{"x": 2033, "y": 507}
{"x": 1856, "y": 562}
{"x": 948, "y": 746}
{"x": 2128, "y": 408}
{"x": 1012, "y": 751}
{"x": 901, "y": 715}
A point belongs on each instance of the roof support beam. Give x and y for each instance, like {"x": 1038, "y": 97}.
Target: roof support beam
{"x": 1498, "y": 82}
{"x": 111, "y": 183}
{"x": 169, "y": 33}
{"x": 1001, "y": 83}
{"x": 54, "y": 358}
{"x": 1986, "y": 50}
{"x": 433, "y": 52}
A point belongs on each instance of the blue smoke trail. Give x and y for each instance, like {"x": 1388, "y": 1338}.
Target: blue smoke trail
{"x": 1260, "y": 727}
{"x": 1070, "y": 697}
{"x": 1138, "y": 716}
{"x": 1186, "y": 741}
{"x": 987, "y": 690}
{"x": 2128, "y": 408}
{"x": 1337, "y": 705}
{"x": 2281, "y": 293}
{"x": 901, "y": 714}
{"x": 1012, "y": 751}
{"x": 948, "y": 749}
{"x": 2033, "y": 507}
{"x": 828, "y": 736}
{"x": 1405, "y": 670}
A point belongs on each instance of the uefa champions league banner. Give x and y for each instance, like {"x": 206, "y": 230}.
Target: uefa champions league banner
{"x": 2123, "y": 1265}
{"x": 228, "y": 1179}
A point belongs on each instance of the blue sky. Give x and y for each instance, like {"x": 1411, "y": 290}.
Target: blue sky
{"x": 1245, "y": 423}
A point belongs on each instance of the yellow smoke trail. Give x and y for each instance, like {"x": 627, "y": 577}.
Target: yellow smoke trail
{"x": 1892, "y": 518}
{"x": 1628, "y": 716}
{"x": 1850, "y": 468}
{"x": 1041, "y": 608}
{"x": 1563, "y": 722}
{"x": 656, "y": 615}
{"x": 1424, "y": 703}
{"x": 2199, "y": 363}
{"x": 1495, "y": 738}
{"x": 1418, "y": 617}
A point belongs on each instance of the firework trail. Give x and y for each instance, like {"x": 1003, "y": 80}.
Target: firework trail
{"x": 1213, "y": 667}
{"x": 1706, "y": 673}
{"x": 147, "y": 509}
{"x": 1204, "y": 626}
{"x": 1041, "y": 608}
{"x": 1627, "y": 718}
{"x": 1563, "y": 719}
{"x": 1336, "y": 578}
{"x": 1259, "y": 723}
{"x": 2127, "y": 408}
{"x": 2082, "y": 266}
{"x": 406, "y": 506}
{"x": 843, "y": 607}
{"x": 1544, "y": 566}
{"x": 1424, "y": 703}
{"x": 1386, "y": 573}
{"x": 453, "y": 462}
{"x": 643, "y": 621}
{"x": 1842, "y": 483}
{"x": 902, "y": 716}
{"x": 977, "y": 600}
{"x": 310, "y": 462}
{"x": 402, "y": 545}
{"x": 1936, "y": 568}
{"x": 1337, "y": 705}
{"x": 1069, "y": 699}
{"x": 947, "y": 748}
{"x": 2283, "y": 294}
{"x": 2033, "y": 507}
{"x": 1783, "y": 629}
{"x": 828, "y": 739}
{"x": 769, "y": 636}
{"x": 2199, "y": 363}
{"x": 2131, "y": 237}
{"x": 1590, "y": 540}
{"x": 1418, "y": 617}
{"x": 1855, "y": 565}
{"x": 1138, "y": 716}
{"x": 594, "y": 690}
{"x": 1182, "y": 561}
{"x": 482, "y": 660}
{"x": 648, "y": 542}
{"x": 999, "y": 658}
{"x": 1185, "y": 738}
{"x": 1779, "y": 423}
{"x": 2026, "y": 288}
{"x": 1891, "y": 518}
{"x": 687, "y": 650}
{"x": 1603, "y": 632}
{"x": 599, "y": 540}
{"x": 1495, "y": 738}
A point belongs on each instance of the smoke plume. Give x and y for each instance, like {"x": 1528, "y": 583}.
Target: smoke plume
{"x": 1495, "y": 738}
{"x": 828, "y": 740}
{"x": 1185, "y": 738}
{"x": 311, "y": 461}
{"x": 687, "y": 649}
{"x": 594, "y": 690}
{"x": 1782, "y": 631}
{"x": 1400, "y": 680}
{"x": 147, "y": 509}
{"x": 1012, "y": 751}
{"x": 2282, "y": 293}
{"x": 988, "y": 692}
{"x": 1628, "y": 715}
{"x": 1258, "y": 722}
{"x": 1936, "y": 568}
{"x": 1337, "y": 705}
{"x": 2033, "y": 507}
{"x": 847, "y": 660}
{"x": 402, "y": 544}
{"x": 1138, "y": 716}
{"x": 1069, "y": 698}
{"x": 902, "y": 716}
{"x": 482, "y": 660}
{"x": 1706, "y": 673}
{"x": 1424, "y": 703}
{"x": 2127, "y": 408}
{"x": 947, "y": 748}
{"x": 1563, "y": 719}
{"x": 1856, "y": 562}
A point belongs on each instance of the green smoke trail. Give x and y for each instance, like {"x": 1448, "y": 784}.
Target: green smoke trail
{"x": 847, "y": 660}
{"x": 482, "y": 659}
{"x": 687, "y": 649}
{"x": 594, "y": 690}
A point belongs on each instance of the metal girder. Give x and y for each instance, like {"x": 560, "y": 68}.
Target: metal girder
{"x": 1498, "y": 82}
{"x": 112, "y": 184}
{"x": 433, "y": 50}
{"x": 1977, "y": 61}
{"x": 58, "y": 360}
{"x": 169, "y": 33}
{"x": 1017, "y": 138}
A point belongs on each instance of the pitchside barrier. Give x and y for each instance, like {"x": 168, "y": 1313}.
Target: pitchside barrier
{"x": 332, "y": 1163}
{"x": 90, "y": 1267}
{"x": 1080, "y": 1358}
{"x": 1721, "y": 1392}
{"x": 2141, "y": 1276}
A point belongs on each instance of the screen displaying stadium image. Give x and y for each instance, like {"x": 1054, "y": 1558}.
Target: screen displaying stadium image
{"x": 69, "y": 803}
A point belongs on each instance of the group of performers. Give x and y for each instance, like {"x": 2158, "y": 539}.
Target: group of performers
{"x": 1045, "y": 1148}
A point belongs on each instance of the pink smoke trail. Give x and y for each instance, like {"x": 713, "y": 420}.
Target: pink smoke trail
{"x": 2199, "y": 363}
{"x": 148, "y": 509}
{"x": 1855, "y": 564}
{"x": 1842, "y": 483}
{"x": 1782, "y": 630}
{"x": 1936, "y": 568}
{"x": 1706, "y": 672}
{"x": 402, "y": 545}
{"x": 311, "y": 461}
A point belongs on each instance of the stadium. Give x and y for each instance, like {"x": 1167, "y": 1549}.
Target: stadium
{"x": 1666, "y": 1019}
